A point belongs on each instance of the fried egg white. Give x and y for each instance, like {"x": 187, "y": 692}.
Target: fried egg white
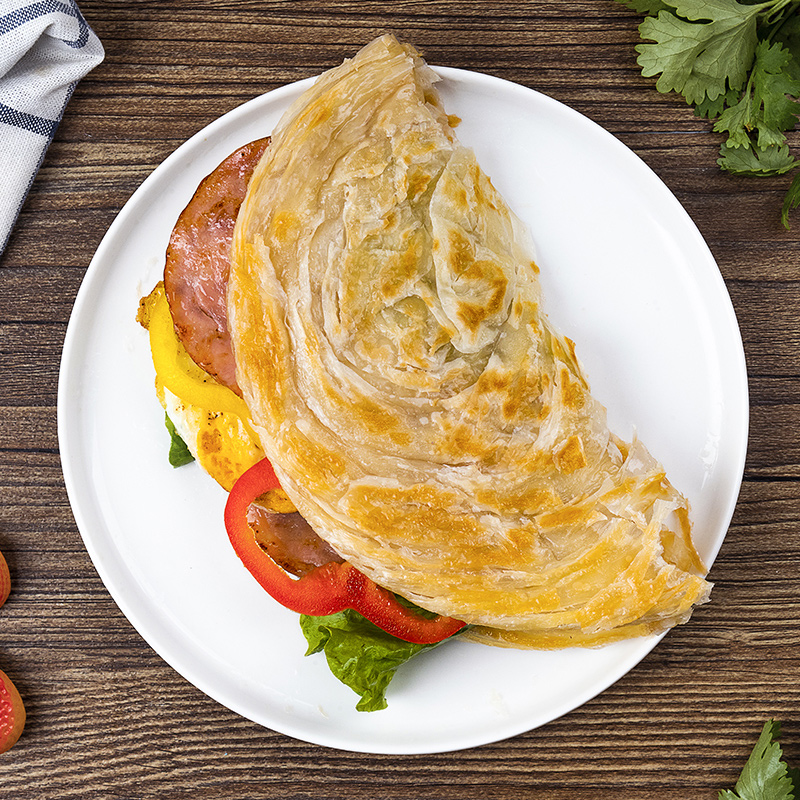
{"x": 219, "y": 441}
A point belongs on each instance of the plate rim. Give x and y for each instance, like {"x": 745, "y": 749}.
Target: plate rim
{"x": 72, "y": 343}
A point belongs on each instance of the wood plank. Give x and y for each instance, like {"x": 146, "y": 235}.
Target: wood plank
{"x": 108, "y": 719}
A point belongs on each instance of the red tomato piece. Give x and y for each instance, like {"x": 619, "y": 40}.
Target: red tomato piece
{"x": 12, "y": 713}
{"x": 5, "y": 580}
{"x": 327, "y": 589}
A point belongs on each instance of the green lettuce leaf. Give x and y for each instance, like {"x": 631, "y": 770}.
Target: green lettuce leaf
{"x": 179, "y": 453}
{"x": 359, "y": 654}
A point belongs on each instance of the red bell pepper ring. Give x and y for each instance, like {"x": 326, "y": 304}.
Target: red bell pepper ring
{"x": 328, "y": 589}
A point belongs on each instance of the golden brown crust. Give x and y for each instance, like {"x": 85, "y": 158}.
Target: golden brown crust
{"x": 418, "y": 406}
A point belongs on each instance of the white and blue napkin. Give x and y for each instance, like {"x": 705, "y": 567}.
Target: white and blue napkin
{"x": 46, "y": 47}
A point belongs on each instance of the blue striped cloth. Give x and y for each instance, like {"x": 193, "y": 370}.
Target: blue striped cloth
{"x": 46, "y": 47}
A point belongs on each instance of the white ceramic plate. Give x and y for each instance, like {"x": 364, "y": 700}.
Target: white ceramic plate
{"x": 625, "y": 274}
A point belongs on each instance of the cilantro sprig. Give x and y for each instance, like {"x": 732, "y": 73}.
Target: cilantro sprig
{"x": 766, "y": 775}
{"x": 737, "y": 63}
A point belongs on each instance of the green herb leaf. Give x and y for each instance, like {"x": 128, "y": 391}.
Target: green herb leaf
{"x": 773, "y": 89}
{"x": 709, "y": 109}
{"x": 651, "y": 7}
{"x": 359, "y": 654}
{"x": 179, "y": 453}
{"x": 792, "y": 200}
{"x": 738, "y": 63}
{"x": 702, "y": 50}
{"x": 756, "y": 162}
{"x": 765, "y": 775}
{"x": 737, "y": 121}
{"x": 794, "y": 777}
{"x": 765, "y": 105}
{"x": 788, "y": 34}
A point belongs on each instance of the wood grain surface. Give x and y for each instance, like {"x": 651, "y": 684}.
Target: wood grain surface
{"x": 107, "y": 718}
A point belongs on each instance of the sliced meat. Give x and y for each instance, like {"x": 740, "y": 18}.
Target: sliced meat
{"x": 290, "y": 541}
{"x": 196, "y": 285}
{"x": 198, "y": 263}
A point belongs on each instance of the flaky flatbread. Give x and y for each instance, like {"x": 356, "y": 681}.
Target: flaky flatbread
{"x": 417, "y": 405}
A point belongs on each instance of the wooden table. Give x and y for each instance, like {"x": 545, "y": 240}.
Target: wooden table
{"x": 107, "y": 718}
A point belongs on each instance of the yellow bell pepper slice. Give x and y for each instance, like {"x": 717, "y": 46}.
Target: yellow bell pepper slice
{"x": 175, "y": 368}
